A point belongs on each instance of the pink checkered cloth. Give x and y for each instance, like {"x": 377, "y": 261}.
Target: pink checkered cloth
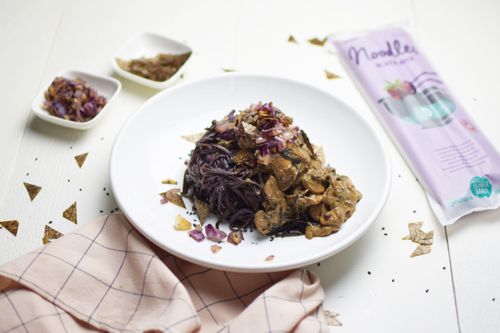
{"x": 107, "y": 277}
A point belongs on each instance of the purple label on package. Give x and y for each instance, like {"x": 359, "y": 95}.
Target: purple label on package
{"x": 456, "y": 164}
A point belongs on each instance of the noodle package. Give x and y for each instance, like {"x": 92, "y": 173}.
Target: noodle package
{"x": 453, "y": 160}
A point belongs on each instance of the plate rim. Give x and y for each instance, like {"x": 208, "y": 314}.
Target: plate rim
{"x": 265, "y": 266}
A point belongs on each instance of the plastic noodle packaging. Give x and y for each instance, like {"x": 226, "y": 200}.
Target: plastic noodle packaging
{"x": 452, "y": 159}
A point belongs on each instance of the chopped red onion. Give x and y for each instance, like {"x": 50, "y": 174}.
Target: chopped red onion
{"x": 196, "y": 235}
{"x": 214, "y": 234}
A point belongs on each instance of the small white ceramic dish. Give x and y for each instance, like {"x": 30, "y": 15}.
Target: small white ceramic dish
{"x": 149, "y": 149}
{"x": 104, "y": 85}
{"x": 149, "y": 45}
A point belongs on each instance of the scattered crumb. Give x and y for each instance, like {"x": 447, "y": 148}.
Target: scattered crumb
{"x": 331, "y": 318}
{"x": 316, "y": 41}
{"x": 228, "y": 70}
{"x": 331, "y": 76}
{"x": 292, "y": 39}
{"x": 215, "y": 248}
{"x": 169, "y": 181}
{"x": 269, "y": 258}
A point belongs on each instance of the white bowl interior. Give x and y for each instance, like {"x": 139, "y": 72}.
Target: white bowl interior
{"x": 150, "y": 148}
{"x": 105, "y": 86}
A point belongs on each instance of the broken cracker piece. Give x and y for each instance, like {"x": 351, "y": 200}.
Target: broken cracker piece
{"x": 169, "y": 181}
{"x": 50, "y": 234}
{"x": 33, "y": 190}
{"x": 11, "y": 226}
{"x": 423, "y": 239}
{"x": 421, "y": 250}
{"x": 181, "y": 223}
{"x": 173, "y": 196}
{"x": 331, "y": 76}
{"x": 292, "y": 39}
{"x": 193, "y": 138}
{"x": 80, "y": 159}
{"x": 269, "y": 258}
{"x": 202, "y": 210}
{"x": 316, "y": 41}
{"x": 215, "y": 248}
{"x": 70, "y": 213}
{"x": 331, "y": 318}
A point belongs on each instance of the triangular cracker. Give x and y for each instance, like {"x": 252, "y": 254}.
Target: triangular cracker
{"x": 50, "y": 234}
{"x": 70, "y": 213}
{"x": 33, "y": 190}
{"x": 331, "y": 76}
{"x": 10, "y": 226}
{"x": 80, "y": 159}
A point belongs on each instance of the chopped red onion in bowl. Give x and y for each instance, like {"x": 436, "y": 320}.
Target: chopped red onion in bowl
{"x": 73, "y": 100}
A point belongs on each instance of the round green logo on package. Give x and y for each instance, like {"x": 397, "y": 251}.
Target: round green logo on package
{"x": 480, "y": 187}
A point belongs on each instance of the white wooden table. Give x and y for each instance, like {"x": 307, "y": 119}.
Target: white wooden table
{"x": 374, "y": 284}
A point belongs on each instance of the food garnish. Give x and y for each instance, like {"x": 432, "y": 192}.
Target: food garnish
{"x": 159, "y": 68}
{"x": 169, "y": 181}
{"x": 256, "y": 169}
{"x": 11, "y": 226}
{"x": 32, "y": 190}
{"x": 423, "y": 239}
{"x": 173, "y": 196}
{"x": 269, "y": 258}
{"x": 50, "y": 234}
{"x": 197, "y": 235}
{"x": 215, "y": 248}
{"x": 80, "y": 159}
{"x": 235, "y": 237}
{"x": 181, "y": 223}
{"x": 70, "y": 213}
{"x": 214, "y": 234}
{"x": 73, "y": 100}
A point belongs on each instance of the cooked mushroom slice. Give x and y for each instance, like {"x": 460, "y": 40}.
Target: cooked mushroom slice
{"x": 284, "y": 171}
{"x": 319, "y": 231}
{"x": 273, "y": 193}
{"x": 312, "y": 183}
{"x": 335, "y": 217}
{"x": 316, "y": 211}
{"x": 265, "y": 222}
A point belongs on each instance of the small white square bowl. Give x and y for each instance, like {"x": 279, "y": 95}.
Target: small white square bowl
{"x": 148, "y": 45}
{"x": 104, "y": 85}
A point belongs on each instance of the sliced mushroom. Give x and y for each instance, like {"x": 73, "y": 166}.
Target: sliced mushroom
{"x": 265, "y": 222}
{"x": 273, "y": 193}
{"x": 316, "y": 211}
{"x": 319, "y": 231}
{"x": 312, "y": 184}
{"x": 284, "y": 171}
{"x": 334, "y": 217}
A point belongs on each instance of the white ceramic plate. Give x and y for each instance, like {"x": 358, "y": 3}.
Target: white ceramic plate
{"x": 149, "y": 45}
{"x": 149, "y": 149}
{"x": 104, "y": 85}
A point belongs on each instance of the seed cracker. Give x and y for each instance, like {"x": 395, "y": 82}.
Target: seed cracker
{"x": 11, "y": 226}
{"x": 70, "y": 213}
{"x": 33, "y": 190}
